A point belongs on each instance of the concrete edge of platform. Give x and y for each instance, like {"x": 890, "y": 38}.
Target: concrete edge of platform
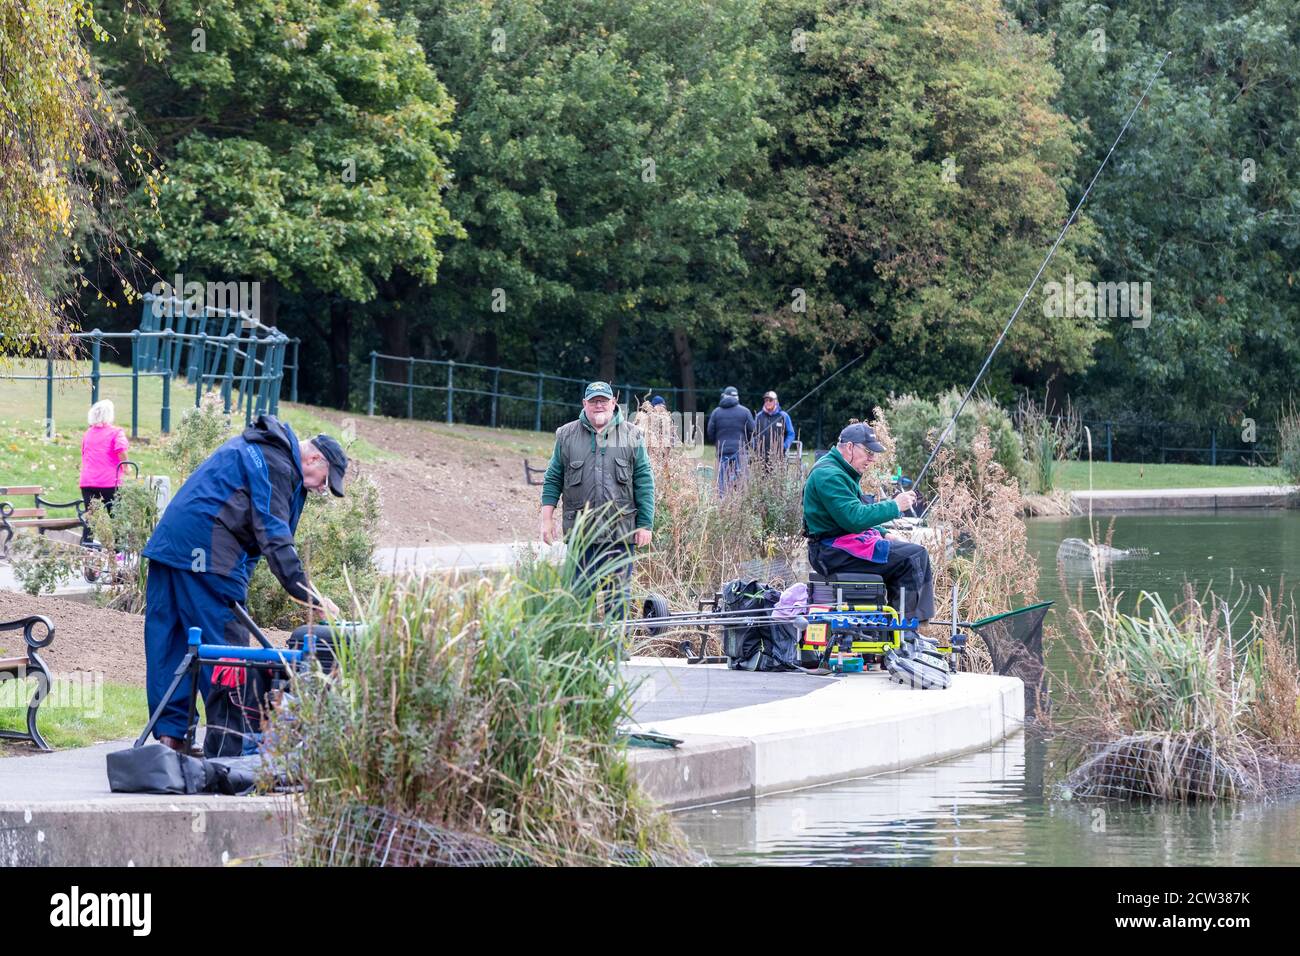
{"x": 715, "y": 769}
{"x": 1186, "y": 499}
{"x": 146, "y": 831}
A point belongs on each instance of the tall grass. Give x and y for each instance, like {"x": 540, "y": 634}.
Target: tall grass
{"x": 1048, "y": 439}
{"x": 485, "y": 707}
{"x": 1185, "y": 703}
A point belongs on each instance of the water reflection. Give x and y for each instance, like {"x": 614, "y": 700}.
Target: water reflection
{"x": 985, "y": 808}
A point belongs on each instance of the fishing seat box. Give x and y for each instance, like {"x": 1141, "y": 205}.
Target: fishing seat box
{"x": 859, "y": 589}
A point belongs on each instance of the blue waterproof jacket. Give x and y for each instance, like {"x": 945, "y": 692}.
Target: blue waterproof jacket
{"x": 241, "y": 504}
{"x": 730, "y": 427}
{"x": 765, "y": 425}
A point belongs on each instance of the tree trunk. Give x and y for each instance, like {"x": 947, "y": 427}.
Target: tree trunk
{"x": 395, "y": 339}
{"x": 609, "y": 349}
{"x": 341, "y": 350}
{"x": 685, "y": 360}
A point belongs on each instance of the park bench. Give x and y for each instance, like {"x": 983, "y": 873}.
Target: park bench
{"x": 532, "y": 475}
{"x": 20, "y": 667}
{"x": 14, "y": 518}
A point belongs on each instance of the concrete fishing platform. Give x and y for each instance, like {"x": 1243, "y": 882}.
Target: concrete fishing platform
{"x": 745, "y": 734}
{"x": 1184, "y": 499}
{"x": 750, "y": 734}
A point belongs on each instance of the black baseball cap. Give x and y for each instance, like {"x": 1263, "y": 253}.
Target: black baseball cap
{"x": 338, "y": 461}
{"x": 861, "y": 434}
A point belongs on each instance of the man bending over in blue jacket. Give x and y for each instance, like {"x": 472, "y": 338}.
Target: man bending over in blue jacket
{"x": 241, "y": 504}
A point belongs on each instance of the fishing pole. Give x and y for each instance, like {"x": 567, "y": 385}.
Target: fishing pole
{"x": 1025, "y": 298}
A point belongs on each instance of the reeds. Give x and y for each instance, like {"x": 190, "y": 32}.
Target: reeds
{"x": 484, "y": 707}
{"x": 1182, "y": 703}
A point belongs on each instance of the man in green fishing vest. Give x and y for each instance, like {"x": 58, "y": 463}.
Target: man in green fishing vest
{"x": 600, "y": 463}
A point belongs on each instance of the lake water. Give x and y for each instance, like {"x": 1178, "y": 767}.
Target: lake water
{"x": 991, "y": 807}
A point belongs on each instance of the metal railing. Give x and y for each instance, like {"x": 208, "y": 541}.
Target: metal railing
{"x": 249, "y": 368}
{"x": 465, "y": 393}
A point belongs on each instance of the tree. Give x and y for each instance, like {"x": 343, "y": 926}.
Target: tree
{"x": 59, "y": 140}
{"x": 1202, "y": 203}
{"x": 602, "y": 167}
{"x": 305, "y": 145}
{"x": 917, "y": 181}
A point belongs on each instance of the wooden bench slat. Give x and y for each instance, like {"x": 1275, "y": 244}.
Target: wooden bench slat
{"x": 22, "y": 490}
{"x": 55, "y": 524}
{"x": 27, "y": 513}
{"x": 9, "y": 664}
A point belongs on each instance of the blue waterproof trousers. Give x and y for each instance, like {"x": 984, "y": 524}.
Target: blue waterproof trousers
{"x": 177, "y": 600}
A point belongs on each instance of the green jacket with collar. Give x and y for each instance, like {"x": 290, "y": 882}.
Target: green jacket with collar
{"x": 832, "y": 501}
{"x": 590, "y": 469}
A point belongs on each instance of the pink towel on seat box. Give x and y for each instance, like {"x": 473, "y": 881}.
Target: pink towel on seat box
{"x": 869, "y": 545}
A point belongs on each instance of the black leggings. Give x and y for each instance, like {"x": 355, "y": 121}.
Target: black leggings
{"x": 90, "y": 494}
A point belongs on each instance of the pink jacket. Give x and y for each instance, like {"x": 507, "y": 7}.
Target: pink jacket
{"x": 102, "y": 447}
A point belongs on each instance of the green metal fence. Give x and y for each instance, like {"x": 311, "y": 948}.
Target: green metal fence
{"x": 469, "y": 394}
{"x": 241, "y": 357}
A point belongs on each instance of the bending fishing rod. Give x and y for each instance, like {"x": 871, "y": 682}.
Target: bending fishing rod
{"x": 1025, "y": 298}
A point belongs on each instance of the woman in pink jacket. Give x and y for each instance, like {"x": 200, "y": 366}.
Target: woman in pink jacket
{"x": 103, "y": 448}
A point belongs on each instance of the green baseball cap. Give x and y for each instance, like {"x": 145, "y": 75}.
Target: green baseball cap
{"x": 597, "y": 389}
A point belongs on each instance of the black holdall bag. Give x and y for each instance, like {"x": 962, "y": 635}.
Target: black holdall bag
{"x": 756, "y": 647}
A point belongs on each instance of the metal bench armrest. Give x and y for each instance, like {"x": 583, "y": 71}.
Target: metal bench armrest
{"x": 28, "y": 626}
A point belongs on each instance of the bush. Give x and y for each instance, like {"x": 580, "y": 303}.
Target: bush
{"x": 41, "y": 564}
{"x": 125, "y": 531}
{"x": 198, "y": 434}
{"x": 336, "y": 540}
{"x": 1048, "y": 439}
{"x": 917, "y": 424}
{"x": 486, "y": 712}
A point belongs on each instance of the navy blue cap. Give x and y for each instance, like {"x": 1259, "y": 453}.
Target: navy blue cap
{"x": 658, "y": 400}
{"x": 338, "y": 461}
{"x": 861, "y": 434}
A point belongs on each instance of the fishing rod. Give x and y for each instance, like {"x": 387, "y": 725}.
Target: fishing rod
{"x": 1025, "y": 298}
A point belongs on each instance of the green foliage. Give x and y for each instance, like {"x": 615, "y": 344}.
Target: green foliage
{"x": 916, "y": 424}
{"x": 1048, "y": 439}
{"x": 1288, "y": 442}
{"x": 119, "y": 566}
{"x": 1213, "y": 227}
{"x": 60, "y": 140}
{"x": 487, "y": 708}
{"x": 336, "y": 539}
{"x": 41, "y": 564}
{"x": 603, "y": 156}
{"x": 304, "y": 142}
{"x": 197, "y": 435}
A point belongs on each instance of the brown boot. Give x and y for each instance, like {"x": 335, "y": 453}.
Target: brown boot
{"x": 175, "y": 743}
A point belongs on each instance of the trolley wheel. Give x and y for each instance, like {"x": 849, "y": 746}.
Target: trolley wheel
{"x": 654, "y": 606}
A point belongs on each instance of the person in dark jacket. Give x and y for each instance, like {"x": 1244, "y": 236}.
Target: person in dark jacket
{"x": 600, "y": 463}
{"x": 773, "y": 431}
{"x": 240, "y": 505}
{"x": 731, "y": 429}
{"x": 842, "y": 528}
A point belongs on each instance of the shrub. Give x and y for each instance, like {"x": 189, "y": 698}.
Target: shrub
{"x": 336, "y": 539}
{"x": 917, "y": 424}
{"x": 42, "y": 564}
{"x": 126, "y": 531}
{"x": 1047, "y": 439}
{"x": 198, "y": 434}
{"x": 1170, "y": 704}
{"x": 488, "y": 710}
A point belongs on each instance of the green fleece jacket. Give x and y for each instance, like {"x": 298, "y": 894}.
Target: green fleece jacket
{"x": 643, "y": 479}
{"x": 832, "y": 499}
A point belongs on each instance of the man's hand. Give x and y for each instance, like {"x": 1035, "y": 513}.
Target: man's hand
{"x": 642, "y": 538}
{"x": 548, "y": 525}
{"x": 905, "y": 500}
{"x": 323, "y": 606}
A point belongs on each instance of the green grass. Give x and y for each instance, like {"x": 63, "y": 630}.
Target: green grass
{"x": 1124, "y": 476}
{"x": 76, "y": 715}
{"x": 27, "y": 457}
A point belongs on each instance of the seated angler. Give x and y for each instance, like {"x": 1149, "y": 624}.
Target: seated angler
{"x": 842, "y": 528}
